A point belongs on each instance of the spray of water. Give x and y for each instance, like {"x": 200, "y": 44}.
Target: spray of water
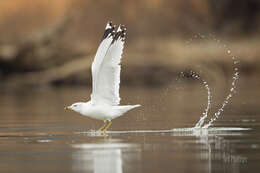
{"x": 205, "y": 113}
{"x": 196, "y": 76}
{"x": 228, "y": 97}
{"x": 232, "y": 91}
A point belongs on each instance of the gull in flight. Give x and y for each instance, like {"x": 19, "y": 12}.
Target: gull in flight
{"x": 105, "y": 100}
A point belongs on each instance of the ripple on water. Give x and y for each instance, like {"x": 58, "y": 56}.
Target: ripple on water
{"x": 178, "y": 131}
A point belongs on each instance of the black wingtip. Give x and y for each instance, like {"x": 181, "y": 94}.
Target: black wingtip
{"x": 109, "y": 30}
{"x": 123, "y": 34}
{"x": 120, "y": 33}
{"x": 109, "y": 25}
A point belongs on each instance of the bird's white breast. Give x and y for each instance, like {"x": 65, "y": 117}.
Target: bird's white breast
{"x": 100, "y": 112}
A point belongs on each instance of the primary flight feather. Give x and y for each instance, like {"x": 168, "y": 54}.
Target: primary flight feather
{"x": 105, "y": 99}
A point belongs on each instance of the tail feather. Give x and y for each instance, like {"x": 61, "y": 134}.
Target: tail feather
{"x": 135, "y": 106}
{"x": 129, "y": 107}
{"x": 124, "y": 109}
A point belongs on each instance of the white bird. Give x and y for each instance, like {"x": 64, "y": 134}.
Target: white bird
{"x": 105, "y": 100}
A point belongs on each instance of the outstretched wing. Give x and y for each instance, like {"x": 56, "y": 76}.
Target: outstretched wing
{"x": 106, "y": 67}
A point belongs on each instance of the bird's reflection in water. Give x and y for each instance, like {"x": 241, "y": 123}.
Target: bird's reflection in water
{"x": 107, "y": 161}
{"x": 99, "y": 158}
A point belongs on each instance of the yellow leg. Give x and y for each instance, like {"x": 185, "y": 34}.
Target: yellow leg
{"x": 109, "y": 124}
{"x": 103, "y": 127}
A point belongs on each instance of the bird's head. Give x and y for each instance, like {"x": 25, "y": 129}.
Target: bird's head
{"x": 75, "y": 107}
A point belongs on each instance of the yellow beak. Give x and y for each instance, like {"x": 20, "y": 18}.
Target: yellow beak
{"x": 67, "y": 108}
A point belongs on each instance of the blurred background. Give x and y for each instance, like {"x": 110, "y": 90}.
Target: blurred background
{"x": 53, "y": 43}
{"x": 46, "y": 51}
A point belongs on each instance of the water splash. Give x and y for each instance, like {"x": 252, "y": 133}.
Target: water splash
{"x": 205, "y": 113}
{"x": 232, "y": 91}
{"x": 226, "y": 100}
{"x": 196, "y": 76}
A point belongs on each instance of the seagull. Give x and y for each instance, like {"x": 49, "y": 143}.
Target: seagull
{"x": 105, "y": 99}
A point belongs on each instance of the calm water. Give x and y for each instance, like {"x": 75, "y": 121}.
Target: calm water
{"x": 37, "y": 135}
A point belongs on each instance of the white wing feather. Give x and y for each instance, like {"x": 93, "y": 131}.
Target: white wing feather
{"x": 101, "y": 52}
{"x": 106, "y": 69}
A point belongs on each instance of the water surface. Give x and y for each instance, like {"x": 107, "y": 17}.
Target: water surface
{"x": 37, "y": 135}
